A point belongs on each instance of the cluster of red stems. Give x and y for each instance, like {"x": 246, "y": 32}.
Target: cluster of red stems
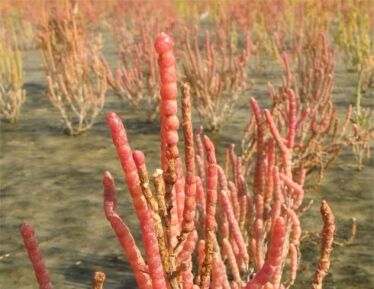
{"x": 214, "y": 61}
{"x": 136, "y": 77}
{"x": 306, "y": 98}
{"x": 202, "y": 227}
{"x": 76, "y": 71}
{"x": 216, "y": 72}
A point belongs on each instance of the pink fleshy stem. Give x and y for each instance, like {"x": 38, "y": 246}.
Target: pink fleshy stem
{"x": 199, "y": 142}
{"x": 221, "y": 271}
{"x": 298, "y": 191}
{"x": 243, "y": 211}
{"x": 259, "y": 205}
{"x": 226, "y": 283}
{"x": 286, "y": 67}
{"x": 226, "y": 205}
{"x": 259, "y": 177}
{"x": 305, "y": 113}
{"x": 143, "y": 213}
{"x": 296, "y": 228}
{"x": 293, "y": 263}
{"x": 200, "y": 167}
{"x": 278, "y": 197}
{"x": 224, "y": 226}
{"x": 217, "y": 274}
{"x": 268, "y": 285}
{"x": 200, "y": 195}
{"x": 232, "y": 158}
{"x": 231, "y": 260}
{"x": 277, "y": 277}
{"x": 123, "y": 234}
{"x": 210, "y": 216}
{"x": 242, "y": 186}
{"x": 286, "y": 154}
{"x": 234, "y": 247}
{"x": 168, "y": 104}
{"x": 169, "y": 127}
{"x": 238, "y": 171}
{"x": 200, "y": 156}
{"x": 259, "y": 239}
{"x": 269, "y": 187}
{"x": 300, "y": 178}
{"x": 292, "y": 111}
{"x": 188, "y": 247}
{"x": 253, "y": 248}
{"x": 274, "y": 258}
{"x": 124, "y": 152}
{"x": 200, "y": 257}
{"x": 234, "y": 199}
{"x": 188, "y": 224}
{"x": 223, "y": 185}
{"x": 35, "y": 256}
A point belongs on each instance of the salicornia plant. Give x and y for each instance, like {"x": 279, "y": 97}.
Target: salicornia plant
{"x": 76, "y": 71}
{"x": 354, "y": 36}
{"x": 306, "y": 100}
{"x": 136, "y": 78}
{"x": 206, "y": 230}
{"x": 12, "y": 94}
{"x": 216, "y": 69}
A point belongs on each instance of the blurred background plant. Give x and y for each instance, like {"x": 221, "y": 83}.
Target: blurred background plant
{"x": 75, "y": 68}
{"x": 24, "y": 15}
{"x": 308, "y": 76}
{"x": 136, "y": 78}
{"x": 354, "y": 36}
{"x": 12, "y": 94}
{"x": 363, "y": 135}
{"x": 216, "y": 70}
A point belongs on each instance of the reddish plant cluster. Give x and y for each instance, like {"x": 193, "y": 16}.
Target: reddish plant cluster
{"x": 136, "y": 78}
{"x": 216, "y": 66}
{"x": 201, "y": 226}
{"x": 76, "y": 71}
{"x": 304, "y": 103}
{"x": 217, "y": 73}
{"x": 12, "y": 94}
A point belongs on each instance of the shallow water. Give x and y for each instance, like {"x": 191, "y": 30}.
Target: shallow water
{"x": 54, "y": 182}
